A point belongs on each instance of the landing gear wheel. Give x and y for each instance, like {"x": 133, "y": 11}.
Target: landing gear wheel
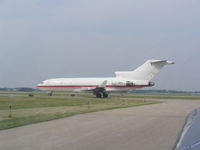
{"x": 101, "y": 95}
{"x": 98, "y": 95}
{"x": 100, "y": 92}
{"x": 105, "y": 95}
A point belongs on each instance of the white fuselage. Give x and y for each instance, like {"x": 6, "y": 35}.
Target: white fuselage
{"x": 88, "y": 84}
{"x": 124, "y": 81}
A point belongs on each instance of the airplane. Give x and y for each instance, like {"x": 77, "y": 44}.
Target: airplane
{"x": 124, "y": 81}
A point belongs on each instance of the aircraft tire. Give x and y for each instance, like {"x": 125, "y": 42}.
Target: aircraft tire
{"x": 98, "y": 95}
{"x": 101, "y": 95}
{"x": 105, "y": 95}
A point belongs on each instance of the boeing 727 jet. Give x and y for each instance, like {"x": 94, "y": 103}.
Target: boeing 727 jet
{"x": 123, "y": 81}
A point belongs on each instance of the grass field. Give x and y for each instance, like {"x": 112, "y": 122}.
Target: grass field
{"x": 26, "y": 110}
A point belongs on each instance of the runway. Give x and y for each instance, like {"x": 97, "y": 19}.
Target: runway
{"x": 150, "y": 127}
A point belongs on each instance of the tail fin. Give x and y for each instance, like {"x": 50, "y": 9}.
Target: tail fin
{"x": 145, "y": 72}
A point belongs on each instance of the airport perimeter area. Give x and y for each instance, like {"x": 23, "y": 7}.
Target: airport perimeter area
{"x": 147, "y": 127}
{"x": 21, "y": 108}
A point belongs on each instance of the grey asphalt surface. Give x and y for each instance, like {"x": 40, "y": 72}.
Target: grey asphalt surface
{"x": 149, "y": 127}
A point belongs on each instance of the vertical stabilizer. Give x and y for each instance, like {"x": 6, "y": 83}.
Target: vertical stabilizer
{"x": 145, "y": 72}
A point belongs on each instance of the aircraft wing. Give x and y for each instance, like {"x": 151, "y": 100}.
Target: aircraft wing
{"x": 101, "y": 86}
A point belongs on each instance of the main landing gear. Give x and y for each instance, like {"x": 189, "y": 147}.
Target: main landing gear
{"x": 100, "y": 93}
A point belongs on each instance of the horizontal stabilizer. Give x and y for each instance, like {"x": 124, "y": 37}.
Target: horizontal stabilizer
{"x": 161, "y": 61}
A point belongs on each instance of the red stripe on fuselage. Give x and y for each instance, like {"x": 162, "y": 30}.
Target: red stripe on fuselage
{"x": 79, "y": 86}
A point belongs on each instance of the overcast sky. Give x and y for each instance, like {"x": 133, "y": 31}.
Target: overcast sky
{"x": 42, "y": 39}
